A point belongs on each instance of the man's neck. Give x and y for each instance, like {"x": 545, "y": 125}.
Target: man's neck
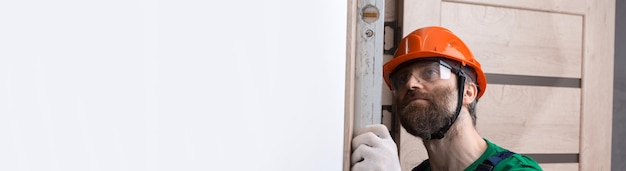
{"x": 460, "y": 147}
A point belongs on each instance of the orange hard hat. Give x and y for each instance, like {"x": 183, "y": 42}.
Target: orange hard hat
{"x": 434, "y": 41}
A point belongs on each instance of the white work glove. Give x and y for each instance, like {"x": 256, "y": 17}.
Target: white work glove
{"x": 373, "y": 149}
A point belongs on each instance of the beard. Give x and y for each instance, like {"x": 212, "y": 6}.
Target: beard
{"x": 423, "y": 120}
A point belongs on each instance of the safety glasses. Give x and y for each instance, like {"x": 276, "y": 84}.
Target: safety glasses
{"x": 429, "y": 70}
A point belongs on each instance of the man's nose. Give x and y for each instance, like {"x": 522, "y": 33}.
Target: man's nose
{"x": 414, "y": 83}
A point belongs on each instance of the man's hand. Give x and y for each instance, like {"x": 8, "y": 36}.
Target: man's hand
{"x": 373, "y": 149}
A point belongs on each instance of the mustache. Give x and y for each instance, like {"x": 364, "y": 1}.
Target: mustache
{"x": 410, "y": 95}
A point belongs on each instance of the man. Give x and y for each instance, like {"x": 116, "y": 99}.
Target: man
{"x": 436, "y": 83}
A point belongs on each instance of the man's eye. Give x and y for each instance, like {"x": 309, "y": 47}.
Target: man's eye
{"x": 399, "y": 79}
{"x": 432, "y": 71}
{"x": 404, "y": 78}
{"x": 431, "y": 74}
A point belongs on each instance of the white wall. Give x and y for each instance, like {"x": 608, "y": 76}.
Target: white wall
{"x": 171, "y": 85}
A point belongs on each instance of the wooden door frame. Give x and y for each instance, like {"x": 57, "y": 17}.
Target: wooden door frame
{"x": 597, "y": 85}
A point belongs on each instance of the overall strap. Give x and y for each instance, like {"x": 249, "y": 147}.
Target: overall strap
{"x": 491, "y": 162}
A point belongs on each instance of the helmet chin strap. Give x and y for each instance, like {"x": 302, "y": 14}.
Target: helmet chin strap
{"x": 461, "y": 81}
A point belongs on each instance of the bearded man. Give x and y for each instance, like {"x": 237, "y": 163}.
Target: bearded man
{"x": 436, "y": 83}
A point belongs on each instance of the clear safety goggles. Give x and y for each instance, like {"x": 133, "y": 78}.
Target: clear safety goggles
{"x": 422, "y": 71}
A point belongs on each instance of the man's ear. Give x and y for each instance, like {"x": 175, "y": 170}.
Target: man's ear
{"x": 470, "y": 93}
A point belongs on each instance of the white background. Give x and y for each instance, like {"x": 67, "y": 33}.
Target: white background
{"x": 171, "y": 85}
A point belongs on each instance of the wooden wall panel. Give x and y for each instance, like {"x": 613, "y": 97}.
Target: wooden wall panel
{"x": 419, "y": 14}
{"x": 531, "y": 119}
{"x": 558, "y": 6}
{"x": 521, "y": 42}
{"x": 559, "y": 166}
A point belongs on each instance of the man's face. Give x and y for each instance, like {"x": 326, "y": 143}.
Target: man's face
{"x": 425, "y": 104}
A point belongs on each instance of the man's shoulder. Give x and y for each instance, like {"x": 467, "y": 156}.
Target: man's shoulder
{"x": 515, "y": 162}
